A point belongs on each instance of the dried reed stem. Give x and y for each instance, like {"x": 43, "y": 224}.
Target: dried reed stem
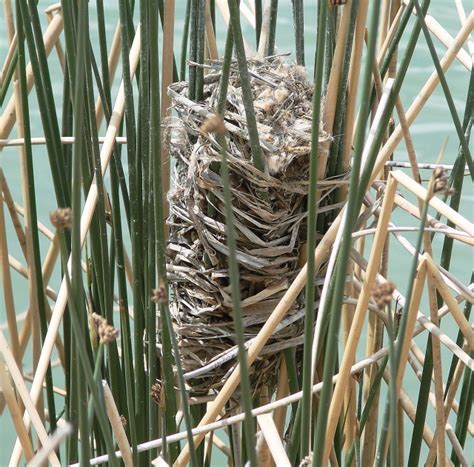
{"x": 117, "y": 425}
{"x": 436, "y": 203}
{"x": 282, "y": 391}
{"x": 9, "y": 23}
{"x": 330, "y": 103}
{"x": 50, "y": 37}
{"x": 26, "y": 182}
{"x": 350, "y": 417}
{"x": 59, "y": 47}
{"x": 212, "y": 51}
{"x": 7, "y": 287}
{"x": 354, "y": 75}
{"x": 453, "y": 306}
{"x": 274, "y": 442}
{"x": 112, "y": 63}
{"x": 15, "y": 412}
{"x": 359, "y": 316}
{"x": 22, "y": 390}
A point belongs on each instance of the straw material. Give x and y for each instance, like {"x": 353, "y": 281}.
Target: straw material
{"x": 270, "y": 219}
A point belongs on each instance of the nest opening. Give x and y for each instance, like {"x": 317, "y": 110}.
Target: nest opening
{"x": 270, "y": 211}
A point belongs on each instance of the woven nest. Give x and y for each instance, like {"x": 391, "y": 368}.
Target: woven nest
{"x": 269, "y": 219}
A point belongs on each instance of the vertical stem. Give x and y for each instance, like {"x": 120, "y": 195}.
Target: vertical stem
{"x": 237, "y": 312}
{"x": 306, "y": 418}
{"x": 298, "y": 25}
{"x": 321, "y": 436}
{"x": 258, "y": 20}
{"x": 272, "y": 33}
{"x": 247, "y": 97}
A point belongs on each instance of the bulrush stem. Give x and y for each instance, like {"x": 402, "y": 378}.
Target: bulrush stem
{"x": 247, "y": 97}
{"x": 311, "y": 239}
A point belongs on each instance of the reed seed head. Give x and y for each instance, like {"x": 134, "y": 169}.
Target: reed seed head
{"x": 214, "y": 124}
{"x": 156, "y": 392}
{"x": 104, "y": 330}
{"x": 441, "y": 182}
{"x": 382, "y": 294}
{"x": 158, "y": 295}
{"x": 61, "y": 218}
{"x": 123, "y": 420}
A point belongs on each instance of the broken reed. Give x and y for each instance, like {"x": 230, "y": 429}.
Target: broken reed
{"x": 137, "y": 219}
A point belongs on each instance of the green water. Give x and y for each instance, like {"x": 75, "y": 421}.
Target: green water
{"x": 430, "y": 130}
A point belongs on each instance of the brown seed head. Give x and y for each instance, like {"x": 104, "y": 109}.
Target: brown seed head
{"x": 441, "y": 182}
{"x": 105, "y": 331}
{"x": 382, "y": 294}
{"x": 61, "y": 218}
{"x": 158, "y": 295}
{"x": 123, "y": 420}
{"x": 214, "y": 124}
{"x": 155, "y": 392}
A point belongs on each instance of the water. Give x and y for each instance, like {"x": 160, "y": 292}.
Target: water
{"x": 429, "y": 132}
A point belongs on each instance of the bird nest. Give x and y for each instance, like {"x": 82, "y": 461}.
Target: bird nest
{"x": 270, "y": 216}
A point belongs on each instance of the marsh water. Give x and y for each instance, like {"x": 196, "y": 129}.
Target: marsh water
{"x": 431, "y": 129}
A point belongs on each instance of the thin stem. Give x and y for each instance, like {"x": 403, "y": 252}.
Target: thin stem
{"x": 272, "y": 32}
{"x": 298, "y": 25}
{"x": 343, "y": 257}
{"x": 246, "y": 398}
{"x": 247, "y": 97}
{"x": 311, "y": 238}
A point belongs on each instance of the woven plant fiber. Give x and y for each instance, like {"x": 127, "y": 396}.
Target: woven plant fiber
{"x": 270, "y": 217}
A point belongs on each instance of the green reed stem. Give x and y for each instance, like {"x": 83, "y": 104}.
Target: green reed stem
{"x": 311, "y": 237}
{"x": 258, "y": 20}
{"x": 152, "y": 362}
{"x": 272, "y": 32}
{"x": 33, "y": 227}
{"x": 225, "y": 73}
{"x": 467, "y": 398}
{"x": 47, "y": 108}
{"x": 201, "y": 44}
{"x": 335, "y": 159}
{"x": 184, "y": 41}
{"x": 249, "y": 431}
{"x": 343, "y": 257}
{"x": 298, "y": 25}
{"x": 366, "y": 412}
{"x": 392, "y": 389}
{"x": 247, "y": 97}
{"x": 446, "y": 90}
{"x": 7, "y": 79}
{"x": 193, "y": 44}
{"x": 76, "y": 291}
{"x": 84, "y": 358}
{"x": 134, "y": 169}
